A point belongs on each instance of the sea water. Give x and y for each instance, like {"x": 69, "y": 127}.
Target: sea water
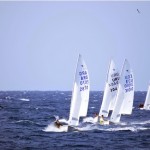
{"x": 26, "y": 122}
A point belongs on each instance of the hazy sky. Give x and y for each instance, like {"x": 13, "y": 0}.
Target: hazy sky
{"x": 40, "y": 42}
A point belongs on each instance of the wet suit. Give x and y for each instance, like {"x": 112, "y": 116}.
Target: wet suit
{"x": 58, "y": 124}
{"x": 101, "y": 121}
{"x": 141, "y": 105}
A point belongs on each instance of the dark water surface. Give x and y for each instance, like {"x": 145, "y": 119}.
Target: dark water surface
{"x": 24, "y": 115}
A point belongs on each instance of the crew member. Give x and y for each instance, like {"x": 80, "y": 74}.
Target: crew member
{"x": 58, "y": 124}
{"x": 102, "y": 119}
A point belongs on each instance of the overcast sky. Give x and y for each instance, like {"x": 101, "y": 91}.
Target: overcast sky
{"x": 40, "y": 42}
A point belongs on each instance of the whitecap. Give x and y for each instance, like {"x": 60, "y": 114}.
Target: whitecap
{"x": 19, "y": 121}
{"x": 88, "y": 128}
{"x": 24, "y": 99}
{"x": 63, "y": 120}
{"x": 67, "y": 98}
{"x": 95, "y": 100}
{"x": 133, "y": 129}
{"x": 140, "y": 123}
{"x": 123, "y": 123}
{"x": 52, "y": 128}
{"x": 122, "y": 129}
{"x": 88, "y": 119}
{"x": 92, "y": 107}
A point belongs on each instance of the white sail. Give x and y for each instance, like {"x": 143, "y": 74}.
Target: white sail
{"x": 125, "y": 94}
{"x": 110, "y": 90}
{"x": 147, "y": 100}
{"x": 128, "y": 83}
{"x": 80, "y": 94}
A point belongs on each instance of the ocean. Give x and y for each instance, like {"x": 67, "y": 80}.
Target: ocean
{"x": 26, "y": 123}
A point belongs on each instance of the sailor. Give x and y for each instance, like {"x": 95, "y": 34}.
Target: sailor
{"x": 101, "y": 119}
{"x": 58, "y": 124}
{"x": 141, "y": 106}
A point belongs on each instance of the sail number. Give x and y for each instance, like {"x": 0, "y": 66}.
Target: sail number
{"x": 84, "y": 88}
{"x": 129, "y": 89}
{"x": 82, "y": 73}
{"x": 114, "y": 74}
{"x": 128, "y": 76}
{"x": 114, "y": 82}
{"x": 84, "y": 80}
{"x": 128, "y": 83}
{"x": 113, "y": 89}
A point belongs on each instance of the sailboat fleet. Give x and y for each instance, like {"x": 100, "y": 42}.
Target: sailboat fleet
{"x": 118, "y": 94}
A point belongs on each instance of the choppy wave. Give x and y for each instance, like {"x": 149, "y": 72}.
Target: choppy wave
{"x": 88, "y": 119}
{"x": 92, "y": 107}
{"x": 140, "y": 122}
{"x": 24, "y": 99}
{"x": 52, "y": 128}
{"x": 90, "y": 127}
{"x": 95, "y": 100}
{"x": 122, "y": 126}
{"x": 29, "y": 125}
{"x": 63, "y": 120}
{"x": 29, "y": 121}
{"x": 62, "y": 93}
{"x": 130, "y": 128}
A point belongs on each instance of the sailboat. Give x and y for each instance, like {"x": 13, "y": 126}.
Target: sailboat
{"x": 125, "y": 94}
{"x": 147, "y": 100}
{"x": 110, "y": 90}
{"x": 80, "y": 95}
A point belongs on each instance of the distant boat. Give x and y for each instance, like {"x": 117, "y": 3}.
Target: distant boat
{"x": 125, "y": 94}
{"x": 147, "y": 100}
{"x": 80, "y": 93}
{"x": 110, "y": 91}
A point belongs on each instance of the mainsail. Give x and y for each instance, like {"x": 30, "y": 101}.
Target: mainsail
{"x": 111, "y": 86}
{"x": 125, "y": 94}
{"x": 80, "y": 93}
{"x": 147, "y": 100}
